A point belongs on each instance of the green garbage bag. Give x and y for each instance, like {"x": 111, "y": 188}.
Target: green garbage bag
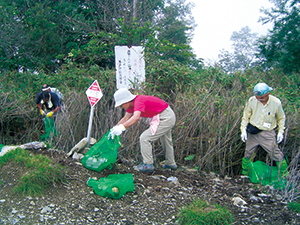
{"x": 113, "y": 186}
{"x": 260, "y": 172}
{"x": 50, "y": 130}
{"x": 102, "y": 154}
{"x": 1, "y": 146}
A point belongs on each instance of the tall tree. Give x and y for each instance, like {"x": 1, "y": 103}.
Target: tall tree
{"x": 42, "y": 30}
{"x": 42, "y": 35}
{"x": 244, "y": 51}
{"x": 282, "y": 46}
{"x": 174, "y": 26}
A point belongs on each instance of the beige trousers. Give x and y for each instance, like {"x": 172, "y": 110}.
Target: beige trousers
{"x": 167, "y": 122}
{"x": 267, "y": 140}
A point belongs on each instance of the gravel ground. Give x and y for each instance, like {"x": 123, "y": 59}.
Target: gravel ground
{"x": 155, "y": 200}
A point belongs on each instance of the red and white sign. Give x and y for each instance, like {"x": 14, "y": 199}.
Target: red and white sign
{"x": 94, "y": 93}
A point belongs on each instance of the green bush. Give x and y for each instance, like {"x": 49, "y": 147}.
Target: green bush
{"x": 39, "y": 171}
{"x": 208, "y": 105}
{"x": 295, "y": 206}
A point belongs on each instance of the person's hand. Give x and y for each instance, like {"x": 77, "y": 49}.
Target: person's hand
{"x": 244, "y": 136}
{"x": 42, "y": 112}
{"x": 49, "y": 114}
{"x": 279, "y": 137}
{"x": 116, "y": 130}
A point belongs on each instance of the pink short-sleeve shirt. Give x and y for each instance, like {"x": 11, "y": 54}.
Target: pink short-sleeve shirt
{"x": 149, "y": 106}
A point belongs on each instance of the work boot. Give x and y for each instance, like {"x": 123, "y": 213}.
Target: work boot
{"x": 245, "y": 166}
{"x": 282, "y": 166}
{"x": 172, "y": 167}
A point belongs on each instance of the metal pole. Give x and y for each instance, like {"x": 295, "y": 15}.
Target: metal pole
{"x": 134, "y": 8}
{"x": 90, "y": 126}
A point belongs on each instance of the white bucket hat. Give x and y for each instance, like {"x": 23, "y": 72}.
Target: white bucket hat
{"x": 122, "y": 96}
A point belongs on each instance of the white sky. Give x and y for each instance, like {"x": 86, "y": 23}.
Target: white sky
{"x": 216, "y": 21}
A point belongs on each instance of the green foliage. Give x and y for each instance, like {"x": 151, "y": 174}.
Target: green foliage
{"x": 208, "y": 105}
{"x": 98, "y": 51}
{"x": 44, "y": 36}
{"x": 43, "y": 31}
{"x": 176, "y": 23}
{"x": 201, "y": 212}
{"x": 281, "y": 47}
{"x": 39, "y": 171}
{"x": 295, "y": 206}
{"x": 190, "y": 157}
{"x": 169, "y": 77}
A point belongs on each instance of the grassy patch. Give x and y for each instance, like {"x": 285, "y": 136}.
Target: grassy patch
{"x": 39, "y": 171}
{"x": 201, "y": 212}
{"x": 295, "y": 206}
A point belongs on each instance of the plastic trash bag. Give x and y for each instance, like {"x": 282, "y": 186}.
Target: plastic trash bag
{"x": 113, "y": 186}
{"x": 1, "y": 146}
{"x": 102, "y": 154}
{"x": 260, "y": 172}
{"x": 50, "y": 130}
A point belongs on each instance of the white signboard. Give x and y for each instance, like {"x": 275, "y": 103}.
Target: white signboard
{"x": 94, "y": 93}
{"x": 130, "y": 66}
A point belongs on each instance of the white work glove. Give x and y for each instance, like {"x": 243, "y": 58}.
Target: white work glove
{"x": 116, "y": 130}
{"x": 279, "y": 137}
{"x": 244, "y": 136}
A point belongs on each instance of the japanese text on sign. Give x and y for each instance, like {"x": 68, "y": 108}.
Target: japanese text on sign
{"x": 130, "y": 66}
{"x": 94, "y": 93}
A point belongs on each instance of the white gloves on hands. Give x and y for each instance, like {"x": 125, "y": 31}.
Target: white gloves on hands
{"x": 279, "y": 137}
{"x": 244, "y": 136}
{"x": 116, "y": 130}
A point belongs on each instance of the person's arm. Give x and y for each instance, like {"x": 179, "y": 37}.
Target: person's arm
{"x": 280, "y": 116}
{"x": 55, "y": 101}
{"x": 56, "y": 109}
{"x": 246, "y": 117}
{"x": 128, "y": 120}
{"x": 39, "y": 106}
{"x": 125, "y": 118}
{"x": 132, "y": 120}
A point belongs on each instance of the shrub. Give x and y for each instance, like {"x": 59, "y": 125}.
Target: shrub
{"x": 201, "y": 212}
{"x": 39, "y": 171}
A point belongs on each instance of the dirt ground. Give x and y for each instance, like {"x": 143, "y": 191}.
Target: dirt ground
{"x": 155, "y": 200}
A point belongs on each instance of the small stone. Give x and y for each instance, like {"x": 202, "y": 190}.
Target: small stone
{"x": 21, "y": 216}
{"x": 45, "y": 209}
{"x": 14, "y": 211}
{"x": 278, "y": 197}
{"x": 256, "y": 220}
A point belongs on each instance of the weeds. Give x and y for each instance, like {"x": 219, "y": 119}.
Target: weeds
{"x": 201, "y": 212}
{"x": 39, "y": 171}
{"x": 208, "y": 107}
{"x": 295, "y": 206}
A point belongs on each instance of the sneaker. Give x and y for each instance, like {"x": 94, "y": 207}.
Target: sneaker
{"x": 145, "y": 168}
{"x": 172, "y": 167}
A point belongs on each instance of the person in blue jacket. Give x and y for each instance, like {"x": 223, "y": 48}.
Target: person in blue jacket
{"x": 47, "y": 102}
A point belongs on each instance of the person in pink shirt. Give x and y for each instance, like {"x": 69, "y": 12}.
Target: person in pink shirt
{"x": 161, "y": 123}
